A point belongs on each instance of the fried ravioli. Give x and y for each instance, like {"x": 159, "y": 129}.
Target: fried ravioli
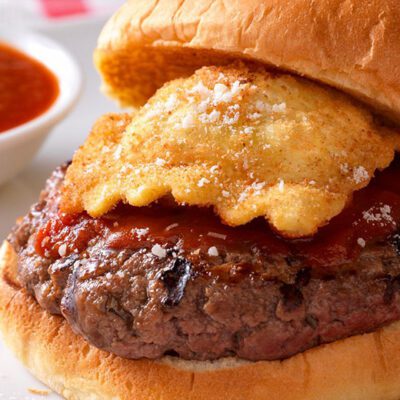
{"x": 244, "y": 141}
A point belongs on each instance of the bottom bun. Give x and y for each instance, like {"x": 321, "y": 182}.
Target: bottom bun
{"x": 363, "y": 367}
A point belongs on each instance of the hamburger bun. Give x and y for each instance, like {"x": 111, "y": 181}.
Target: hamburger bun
{"x": 352, "y": 45}
{"x": 363, "y": 367}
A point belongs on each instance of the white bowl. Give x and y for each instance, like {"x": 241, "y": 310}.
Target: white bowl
{"x": 20, "y": 144}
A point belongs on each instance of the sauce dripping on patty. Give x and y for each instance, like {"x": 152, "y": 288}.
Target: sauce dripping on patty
{"x": 27, "y": 88}
{"x": 373, "y": 215}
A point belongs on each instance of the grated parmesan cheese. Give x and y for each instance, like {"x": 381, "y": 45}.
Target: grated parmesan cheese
{"x": 361, "y": 242}
{"x": 360, "y": 174}
{"x": 171, "y": 103}
{"x": 188, "y": 121}
{"x": 381, "y": 216}
{"x": 160, "y": 162}
{"x": 172, "y": 226}
{"x": 279, "y": 107}
{"x": 214, "y": 169}
{"x": 62, "y": 250}
{"x": 213, "y": 251}
{"x": 158, "y": 251}
{"x": 248, "y": 130}
{"x": 217, "y": 235}
{"x": 140, "y": 232}
{"x": 202, "y": 182}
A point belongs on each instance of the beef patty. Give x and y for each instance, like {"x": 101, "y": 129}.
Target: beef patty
{"x": 137, "y": 287}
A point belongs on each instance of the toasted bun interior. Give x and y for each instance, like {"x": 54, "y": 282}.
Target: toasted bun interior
{"x": 364, "y": 367}
{"x": 352, "y": 45}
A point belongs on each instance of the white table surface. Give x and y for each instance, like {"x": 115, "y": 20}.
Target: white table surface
{"x": 17, "y": 195}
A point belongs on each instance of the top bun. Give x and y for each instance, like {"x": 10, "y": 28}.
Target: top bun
{"x": 352, "y": 45}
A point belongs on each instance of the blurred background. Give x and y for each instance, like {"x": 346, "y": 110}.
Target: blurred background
{"x": 40, "y": 13}
{"x": 76, "y": 25}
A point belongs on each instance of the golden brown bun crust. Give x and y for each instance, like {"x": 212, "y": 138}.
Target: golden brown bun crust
{"x": 353, "y": 45}
{"x": 365, "y": 367}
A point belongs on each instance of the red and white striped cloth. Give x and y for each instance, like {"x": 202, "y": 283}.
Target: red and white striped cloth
{"x": 68, "y": 8}
{"x": 41, "y": 11}
{"x": 62, "y": 8}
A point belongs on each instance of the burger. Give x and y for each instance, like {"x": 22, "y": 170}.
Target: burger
{"x": 236, "y": 234}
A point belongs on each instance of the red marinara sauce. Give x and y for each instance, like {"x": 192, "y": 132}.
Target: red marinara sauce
{"x": 27, "y": 88}
{"x": 373, "y": 215}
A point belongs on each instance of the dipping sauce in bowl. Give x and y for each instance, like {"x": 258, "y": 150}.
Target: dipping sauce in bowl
{"x": 27, "y": 88}
{"x": 40, "y": 82}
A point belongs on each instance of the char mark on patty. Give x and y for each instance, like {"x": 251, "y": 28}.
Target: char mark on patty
{"x": 175, "y": 277}
{"x": 245, "y": 302}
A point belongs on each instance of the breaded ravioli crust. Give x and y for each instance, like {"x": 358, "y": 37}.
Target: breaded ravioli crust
{"x": 245, "y": 141}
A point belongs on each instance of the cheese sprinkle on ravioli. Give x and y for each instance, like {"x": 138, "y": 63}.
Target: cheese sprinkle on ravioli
{"x": 246, "y": 142}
